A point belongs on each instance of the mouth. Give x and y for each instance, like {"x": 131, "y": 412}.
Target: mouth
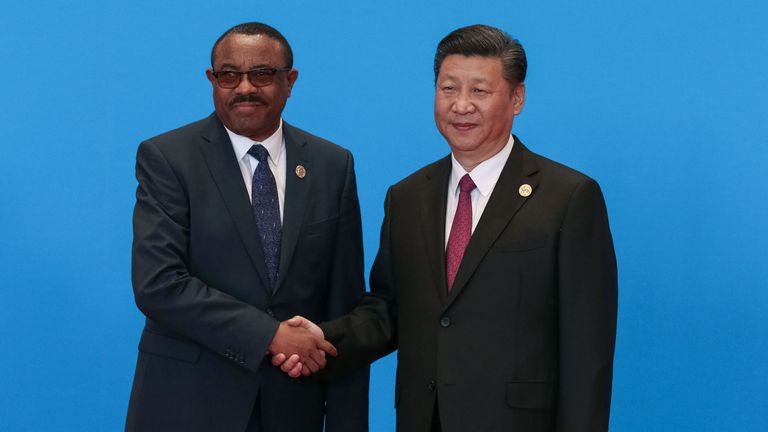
{"x": 246, "y": 106}
{"x": 463, "y": 127}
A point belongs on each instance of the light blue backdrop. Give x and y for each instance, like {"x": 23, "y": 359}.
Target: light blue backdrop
{"x": 664, "y": 102}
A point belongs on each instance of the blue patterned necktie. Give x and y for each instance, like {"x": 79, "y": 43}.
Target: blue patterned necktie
{"x": 266, "y": 210}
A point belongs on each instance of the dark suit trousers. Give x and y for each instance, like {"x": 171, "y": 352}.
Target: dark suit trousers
{"x": 436, "y": 419}
{"x": 254, "y": 424}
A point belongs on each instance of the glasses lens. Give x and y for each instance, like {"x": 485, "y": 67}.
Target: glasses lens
{"x": 228, "y": 79}
{"x": 261, "y": 77}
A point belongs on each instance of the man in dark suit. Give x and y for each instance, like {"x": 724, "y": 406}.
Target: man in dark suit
{"x": 241, "y": 222}
{"x": 496, "y": 274}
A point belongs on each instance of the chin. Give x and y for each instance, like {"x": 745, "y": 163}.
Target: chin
{"x": 462, "y": 144}
{"x": 248, "y": 125}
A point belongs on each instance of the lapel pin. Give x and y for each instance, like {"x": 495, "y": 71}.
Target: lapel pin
{"x": 525, "y": 190}
{"x": 301, "y": 172}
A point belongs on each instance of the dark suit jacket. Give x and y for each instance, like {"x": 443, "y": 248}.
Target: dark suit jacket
{"x": 525, "y": 340}
{"x": 199, "y": 277}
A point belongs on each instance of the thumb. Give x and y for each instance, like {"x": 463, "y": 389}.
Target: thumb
{"x": 297, "y": 321}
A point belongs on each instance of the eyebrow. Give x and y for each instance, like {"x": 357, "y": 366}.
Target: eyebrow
{"x": 258, "y": 66}
{"x": 472, "y": 80}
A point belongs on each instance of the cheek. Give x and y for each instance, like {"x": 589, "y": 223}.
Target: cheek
{"x": 440, "y": 120}
{"x": 278, "y": 91}
{"x": 442, "y": 109}
{"x": 220, "y": 96}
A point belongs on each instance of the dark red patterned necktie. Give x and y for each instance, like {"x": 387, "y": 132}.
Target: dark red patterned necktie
{"x": 461, "y": 230}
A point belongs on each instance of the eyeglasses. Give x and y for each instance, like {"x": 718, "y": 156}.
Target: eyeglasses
{"x": 258, "y": 77}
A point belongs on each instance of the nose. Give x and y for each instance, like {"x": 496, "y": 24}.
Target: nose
{"x": 245, "y": 86}
{"x": 463, "y": 104}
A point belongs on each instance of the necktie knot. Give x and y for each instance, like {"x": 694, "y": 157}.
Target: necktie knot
{"x": 259, "y": 152}
{"x": 466, "y": 184}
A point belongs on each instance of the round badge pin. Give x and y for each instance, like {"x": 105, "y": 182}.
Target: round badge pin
{"x": 525, "y": 190}
{"x": 301, "y": 172}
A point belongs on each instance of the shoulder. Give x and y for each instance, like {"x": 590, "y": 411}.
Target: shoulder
{"x": 434, "y": 171}
{"x": 554, "y": 174}
{"x": 181, "y": 136}
{"x": 320, "y": 147}
{"x": 557, "y": 172}
{"x": 183, "y": 148}
{"x": 561, "y": 183}
{"x": 179, "y": 147}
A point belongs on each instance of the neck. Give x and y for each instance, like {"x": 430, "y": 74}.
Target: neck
{"x": 470, "y": 159}
{"x": 261, "y": 137}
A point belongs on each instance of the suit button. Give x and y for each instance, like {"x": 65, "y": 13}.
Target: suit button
{"x": 445, "y": 321}
{"x": 432, "y": 385}
{"x": 270, "y": 313}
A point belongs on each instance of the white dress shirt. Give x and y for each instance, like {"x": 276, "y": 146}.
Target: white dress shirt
{"x": 275, "y": 145}
{"x": 485, "y": 175}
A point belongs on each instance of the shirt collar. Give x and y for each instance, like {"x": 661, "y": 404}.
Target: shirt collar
{"x": 485, "y": 175}
{"x": 273, "y": 144}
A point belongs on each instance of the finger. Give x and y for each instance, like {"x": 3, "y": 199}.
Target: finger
{"x": 290, "y": 363}
{"x": 327, "y": 347}
{"x": 305, "y": 371}
{"x": 297, "y": 321}
{"x": 318, "y": 357}
{"x": 278, "y": 359}
{"x": 311, "y": 364}
{"x": 296, "y": 371}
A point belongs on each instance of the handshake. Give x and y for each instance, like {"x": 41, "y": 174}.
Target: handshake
{"x": 299, "y": 347}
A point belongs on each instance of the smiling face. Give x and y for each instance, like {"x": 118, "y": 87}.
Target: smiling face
{"x": 247, "y": 110}
{"x": 475, "y": 107}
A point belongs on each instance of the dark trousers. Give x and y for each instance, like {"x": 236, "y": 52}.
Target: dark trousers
{"x": 436, "y": 419}
{"x": 254, "y": 425}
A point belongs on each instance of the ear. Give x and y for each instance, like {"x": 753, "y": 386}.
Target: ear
{"x": 209, "y": 75}
{"x": 291, "y": 76}
{"x": 518, "y": 98}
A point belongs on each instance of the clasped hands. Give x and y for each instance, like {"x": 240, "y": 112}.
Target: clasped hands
{"x": 299, "y": 347}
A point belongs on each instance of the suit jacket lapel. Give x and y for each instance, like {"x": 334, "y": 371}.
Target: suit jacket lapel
{"x": 433, "y": 198}
{"x": 225, "y": 171}
{"x": 505, "y": 201}
{"x": 296, "y": 192}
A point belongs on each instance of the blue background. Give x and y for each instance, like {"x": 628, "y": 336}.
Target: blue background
{"x": 665, "y": 103}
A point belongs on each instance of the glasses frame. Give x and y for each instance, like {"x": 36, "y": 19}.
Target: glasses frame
{"x": 254, "y": 75}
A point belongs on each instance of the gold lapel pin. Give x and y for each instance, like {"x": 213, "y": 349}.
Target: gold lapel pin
{"x": 525, "y": 190}
{"x": 301, "y": 172}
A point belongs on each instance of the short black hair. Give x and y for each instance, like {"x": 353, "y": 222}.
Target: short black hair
{"x": 257, "y": 28}
{"x": 485, "y": 41}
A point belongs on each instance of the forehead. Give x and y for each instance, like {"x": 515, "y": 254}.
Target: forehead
{"x": 473, "y": 68}
{"x": 248, "y": 51}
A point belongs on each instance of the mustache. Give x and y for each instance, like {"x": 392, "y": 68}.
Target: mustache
{"x": 248, "y": 98}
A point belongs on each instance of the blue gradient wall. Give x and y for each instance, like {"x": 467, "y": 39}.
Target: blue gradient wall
{"x": 665, "y": 103}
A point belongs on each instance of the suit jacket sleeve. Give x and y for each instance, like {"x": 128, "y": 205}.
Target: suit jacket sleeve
{"x": 347, "y": 396}
{"x": 370, "y": 330}
{"x": 587, "y": 313}
{"x": 164, "y": 289}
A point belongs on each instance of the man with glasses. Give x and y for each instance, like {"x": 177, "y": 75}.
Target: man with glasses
{"x": 241, "y": 222}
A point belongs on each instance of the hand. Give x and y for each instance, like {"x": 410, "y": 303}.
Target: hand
{"x": 290, "y": 365}
{"x": 299, "y": 347}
